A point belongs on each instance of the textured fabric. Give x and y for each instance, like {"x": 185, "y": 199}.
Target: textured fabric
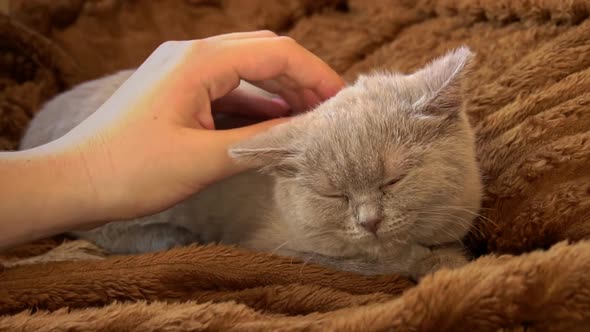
{"x": 528, "y": 97}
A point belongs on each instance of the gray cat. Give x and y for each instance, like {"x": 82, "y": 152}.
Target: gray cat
{"x": 382, "y": 178}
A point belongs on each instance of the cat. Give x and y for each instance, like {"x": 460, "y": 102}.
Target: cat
{"x": 381, "y": 178}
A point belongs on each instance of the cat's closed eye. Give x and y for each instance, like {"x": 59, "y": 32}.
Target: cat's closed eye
{"x": 391, "y": 182}
{"x": 339, "y": 196}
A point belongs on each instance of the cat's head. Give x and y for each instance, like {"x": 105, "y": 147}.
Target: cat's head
{"x": 388, "y": 160}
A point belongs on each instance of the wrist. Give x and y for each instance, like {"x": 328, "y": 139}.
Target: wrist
{"x": 78, "y": 190}
{"x": 76, "y": 184}
{"x": 47, "y": 194}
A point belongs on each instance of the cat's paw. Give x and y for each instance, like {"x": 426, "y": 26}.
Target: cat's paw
{"x": 448, "y": 257}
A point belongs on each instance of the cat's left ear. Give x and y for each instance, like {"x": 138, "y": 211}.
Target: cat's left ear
{"x": 440, "y": 83}
{"x": 273, "y": 151}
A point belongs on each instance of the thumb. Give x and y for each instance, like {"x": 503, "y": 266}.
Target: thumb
{"x": 233, "y": 136}
{"x": 219, "y": 164}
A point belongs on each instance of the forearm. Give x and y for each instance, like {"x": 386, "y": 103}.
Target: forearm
{"x": 41, "y": 196}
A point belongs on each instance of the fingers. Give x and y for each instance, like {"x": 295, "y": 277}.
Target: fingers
{"x": 269, "y": 58}
{"x": 203, "y": 71}
{"x": 277, "y": 64}
{"x": 299, "y": 99}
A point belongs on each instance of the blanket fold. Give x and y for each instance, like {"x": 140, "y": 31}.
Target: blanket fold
{"x": 491, "y": 294}
{"x": 527, "y": 96}
{"x": 196, "y": 272}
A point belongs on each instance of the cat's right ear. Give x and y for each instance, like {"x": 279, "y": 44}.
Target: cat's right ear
{"x": 440, "y": 83}
{"x": 272, "y": 151}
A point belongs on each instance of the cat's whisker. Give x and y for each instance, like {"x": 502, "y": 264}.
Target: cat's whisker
{"x": 449, "y": 218}
{"x": 279, "y": 247}
{"x": 478, "y": 215}
{"x": 457, "y": 208}
{"x": 465, "y": 206}
{"x": 306, "y": 262}
{"x": 391, "y": 241}
{"x": 444, "y": 230}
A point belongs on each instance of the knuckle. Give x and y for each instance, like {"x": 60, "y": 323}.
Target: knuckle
{"x": 199, "y": 43}
{"x": 268, "y": 33}
{"x": 199, "y": 46}
{"x": 180, "y": 46}
{"x": 287, "y": 40}
{"x": 172, "y": 45}
{"x": 168, "y": 44}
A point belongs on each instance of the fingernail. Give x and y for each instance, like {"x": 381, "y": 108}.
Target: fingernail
{"x": 284, "y": 107}
{"x": 206, "y": 120}
{"x": 280, "y": 101}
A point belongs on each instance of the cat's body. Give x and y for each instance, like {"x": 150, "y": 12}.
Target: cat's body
{"x": 381, "y": 178}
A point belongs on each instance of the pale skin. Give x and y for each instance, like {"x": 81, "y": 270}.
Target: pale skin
{"x": 153, "y": 143}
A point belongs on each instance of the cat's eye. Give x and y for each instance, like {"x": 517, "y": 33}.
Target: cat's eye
{"x": 391, "y": 182}
{"x": 339, "y": 196}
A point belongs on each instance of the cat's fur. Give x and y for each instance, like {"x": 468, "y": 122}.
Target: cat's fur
{"x": 391, "y": 148}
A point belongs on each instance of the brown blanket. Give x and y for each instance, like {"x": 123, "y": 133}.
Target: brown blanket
{"x": 528, "y": 97}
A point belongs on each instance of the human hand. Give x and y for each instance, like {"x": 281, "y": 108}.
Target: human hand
{"x": 153, "y": 142}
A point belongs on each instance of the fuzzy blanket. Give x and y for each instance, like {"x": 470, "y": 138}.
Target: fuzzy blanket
{"x": 528, "y": 97}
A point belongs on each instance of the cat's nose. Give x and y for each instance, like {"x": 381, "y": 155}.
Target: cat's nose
{"x": 371, "y": 224}
{"x": 369, "y": 217}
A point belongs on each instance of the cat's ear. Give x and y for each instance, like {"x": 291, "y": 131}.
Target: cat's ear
{"x": 271, "y": 152}
{"x": 440, "y": 83}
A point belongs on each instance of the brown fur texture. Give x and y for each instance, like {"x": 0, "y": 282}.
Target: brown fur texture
{"x": 527, "y": 96}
